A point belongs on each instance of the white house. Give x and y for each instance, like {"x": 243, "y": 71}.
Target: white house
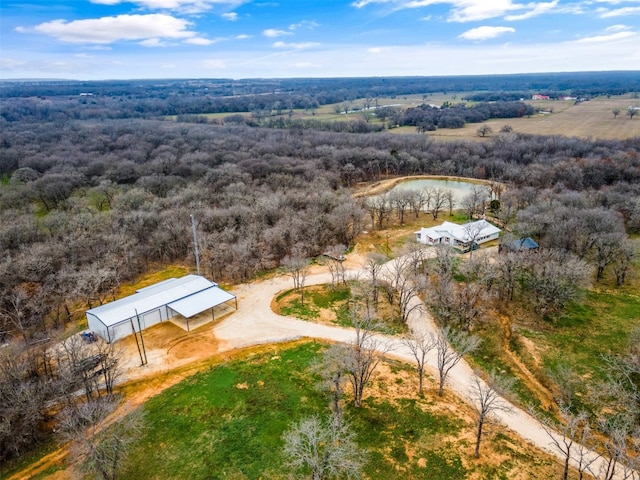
{"x": 459, "y": 236}
{"x": 186, "y": 296}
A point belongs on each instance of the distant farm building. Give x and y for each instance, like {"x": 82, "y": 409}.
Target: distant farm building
{"x": 537, "y": 96}
{"x": 459, "y": 236}
{"x": 175, "y": 298}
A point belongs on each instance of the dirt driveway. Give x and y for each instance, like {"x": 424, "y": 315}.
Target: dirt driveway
{"x": 174, "y": 354}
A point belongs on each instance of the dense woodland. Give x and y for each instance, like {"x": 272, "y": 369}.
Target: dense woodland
{"x": 88, "y": 204}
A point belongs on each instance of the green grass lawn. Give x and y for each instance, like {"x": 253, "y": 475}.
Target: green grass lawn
{"x": 598, "y": 325}
{"x": 228, "y": 422}
{"x": 334, "y": 305}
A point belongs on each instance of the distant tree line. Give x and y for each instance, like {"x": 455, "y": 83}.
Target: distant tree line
{"x": 58, "y": 101}
{"x": 428, "y": 118}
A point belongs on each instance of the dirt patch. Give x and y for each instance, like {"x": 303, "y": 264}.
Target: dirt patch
{"x": 542, "y": 393}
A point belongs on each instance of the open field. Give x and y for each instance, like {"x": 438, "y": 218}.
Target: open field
{"x": 228, "y": 423}
{"x": 593, "y": 118}
{"x": 586, "y": 119}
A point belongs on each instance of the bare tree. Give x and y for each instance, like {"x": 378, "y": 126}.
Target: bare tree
{"x": 379, "y": 209}
{"x": 428, "y": 196}
{"x": 335, "y": 259}
{"x": 487, "y": 400}
{"x": 570, "y": 438}
{"x": 608, "y": 247}
{"x": 473, "y": 231}
{"x": 616, "y": 112}
{"x": 325, "y": 450}
{"x": 23, "y": 309}
{"x": 474, "y": 201}
{"x": 24, "y": 401}
{"x": 451, "y": 346}
{"x": 484, "y": 130}
{"x": 102, "y": 450}
{"x": 364, "y": 356}
{"x": 451, "y": 201}
{"x": 437, "y": 202}
{"x": 420, "y": 344}
{"x": 622, "y": 262}
{"x": 466, "y": 304}
{"x": 401, "y": 200}
{"x": 373, "y": 266}
{"x": 332, "y": 370}
{"x": 554, "y": 277}
{"x": 297, "y": 266}
{"x": 403, "y": 281}
{"x": 417, "y": 201}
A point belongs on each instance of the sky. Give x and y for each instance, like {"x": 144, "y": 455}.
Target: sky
{"x": 141, "y": 39}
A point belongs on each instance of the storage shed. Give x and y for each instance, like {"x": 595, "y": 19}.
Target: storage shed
{"x": 186, "y": 297}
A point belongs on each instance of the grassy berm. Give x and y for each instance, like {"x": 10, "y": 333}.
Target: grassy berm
{"x": 227, "y": 423}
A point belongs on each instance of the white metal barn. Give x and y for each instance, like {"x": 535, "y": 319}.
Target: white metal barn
{"x": 186, "y": 297}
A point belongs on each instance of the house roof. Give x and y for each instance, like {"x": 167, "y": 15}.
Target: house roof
{"x": 160, "y": 294}
{"x": 460, "y": 232}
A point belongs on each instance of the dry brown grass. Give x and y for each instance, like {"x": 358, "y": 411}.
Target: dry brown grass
{"x": 592, "y": 119}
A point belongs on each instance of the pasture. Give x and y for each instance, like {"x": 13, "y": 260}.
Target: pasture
{"x": 227, "y": 423}
{"x": 589, "y": 119}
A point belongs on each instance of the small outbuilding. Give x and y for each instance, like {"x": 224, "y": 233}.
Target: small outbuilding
{"x": 182, "y": 297}
{"x": 526, "y": 244}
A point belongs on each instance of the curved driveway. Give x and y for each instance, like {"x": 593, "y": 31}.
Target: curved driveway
{"x": 255, "y": 323}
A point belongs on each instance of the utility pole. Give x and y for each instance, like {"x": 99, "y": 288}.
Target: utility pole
{"x": 195, "y": 242}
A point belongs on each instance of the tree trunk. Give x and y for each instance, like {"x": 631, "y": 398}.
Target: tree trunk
{"x": 479, "y": 438}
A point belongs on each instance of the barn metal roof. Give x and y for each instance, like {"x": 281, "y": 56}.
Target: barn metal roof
{"x": 201, "y": 301}
{"x": 156, "y": 296}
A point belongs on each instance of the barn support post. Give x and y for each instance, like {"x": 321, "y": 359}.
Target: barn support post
{"x": 141, "y": 337}
{"x": 133, "y": 328}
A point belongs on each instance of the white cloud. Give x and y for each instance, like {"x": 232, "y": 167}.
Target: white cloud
{"x": 538, "y": 9}
{"x": 463, "y": 11}
{"x": 485, "y": 33}
{"x": 607, "y": 38}
{"x": 231, "y": 16}
{"x": 619, "y": 12}
{"x": 214, "y": 64}
{"x": 617, "y": 28}
{"x": 272, "y": 33}
{"x": 112, "y": 29}
{"x": 297, "y": 46}
{"x": 11, "y": 63}
{"x": 307, "y": 24}
{"x": 475, "y": 10}
{"x": 198, "y": 41}
{"x": 364, "y": 3}
{"x": 306, "y": 65}
{"x": 243, "y": 36}
{"x": 153, "y": 42}
{"x": 189, "y": 6}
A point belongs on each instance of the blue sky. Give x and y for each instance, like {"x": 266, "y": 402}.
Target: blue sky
{"x": 125, "y": 39}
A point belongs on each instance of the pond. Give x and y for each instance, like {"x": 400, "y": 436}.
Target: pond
{"x": 460, "y": 189}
